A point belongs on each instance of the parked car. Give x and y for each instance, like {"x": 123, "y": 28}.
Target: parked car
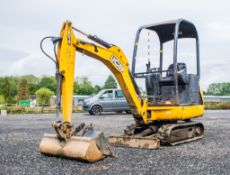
{"x": 107, "y": 100}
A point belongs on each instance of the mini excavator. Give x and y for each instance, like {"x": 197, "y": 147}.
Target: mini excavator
{"x": 164, "y": 116}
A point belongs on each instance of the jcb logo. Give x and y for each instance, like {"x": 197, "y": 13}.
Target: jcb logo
{"x": 117, "y": 63}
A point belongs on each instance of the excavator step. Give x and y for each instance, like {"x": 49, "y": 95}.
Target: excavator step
{"x": 134, "y": 142}
{"x": 174, "y": 134}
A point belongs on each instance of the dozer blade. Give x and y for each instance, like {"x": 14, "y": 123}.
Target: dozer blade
{"x": 90, "y": 149}
{"x": 134, "y": 142}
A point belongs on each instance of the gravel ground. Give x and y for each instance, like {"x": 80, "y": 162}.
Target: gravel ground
{"x": 20, "y": 136}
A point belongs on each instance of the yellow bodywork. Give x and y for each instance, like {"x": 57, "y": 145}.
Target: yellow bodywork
{"x": 66, "y": 60}
{"x": 117, "y": 62}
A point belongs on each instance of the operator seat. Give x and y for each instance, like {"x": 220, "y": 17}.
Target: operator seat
{"x": 167, "y": 83}
{"x": 183, "y": 77}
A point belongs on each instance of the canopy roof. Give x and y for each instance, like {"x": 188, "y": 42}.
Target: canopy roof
{"x": 166, "y": 30}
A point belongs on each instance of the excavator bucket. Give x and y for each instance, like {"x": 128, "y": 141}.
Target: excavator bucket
{"x": 86, "y": 148}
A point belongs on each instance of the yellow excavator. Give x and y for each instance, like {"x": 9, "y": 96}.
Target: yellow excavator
{"x": 174, "y": 97}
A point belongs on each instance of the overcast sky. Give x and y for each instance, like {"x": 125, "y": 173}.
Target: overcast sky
{"x": 24, "y": 23}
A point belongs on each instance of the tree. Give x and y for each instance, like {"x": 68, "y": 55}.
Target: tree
{"x": 31, "y": 79}
{"x": 8, "y": 89}
{"x": 33, "y": 87}
{"x": 48, "y": 82}
{"x": 5, "y": 90}
{"x": 76, "y": 88}
{"x": 219, "y": 89}
{"x": 43, "y": 96}
{"x": 23, "y": 93}
{"x": 110, "y": 83}
{"x": 13, "y": 89}
{"x": 85, "y": 86}
{"x": 2, "y": 79}
{"x": 2, "y": 100}
{"x": 33, "y": 83}
{"x": 97, "y": 88}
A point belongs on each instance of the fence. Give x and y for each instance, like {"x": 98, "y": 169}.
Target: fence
{"x": 217, "y": 98}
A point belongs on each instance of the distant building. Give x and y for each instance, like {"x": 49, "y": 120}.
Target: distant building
{"x": 77, "y": 100}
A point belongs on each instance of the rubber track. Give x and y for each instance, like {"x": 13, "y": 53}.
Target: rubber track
{"x": 166, "y": 131}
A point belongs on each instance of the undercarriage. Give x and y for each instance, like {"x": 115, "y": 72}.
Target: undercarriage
{"x": 159, "y": 133}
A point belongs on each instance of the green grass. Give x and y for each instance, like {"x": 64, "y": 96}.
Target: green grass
{"x": 36, "y": 110}
{"x": 217, "y": 105}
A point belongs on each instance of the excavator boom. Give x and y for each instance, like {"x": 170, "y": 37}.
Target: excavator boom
{"x": 111, "y": 56}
